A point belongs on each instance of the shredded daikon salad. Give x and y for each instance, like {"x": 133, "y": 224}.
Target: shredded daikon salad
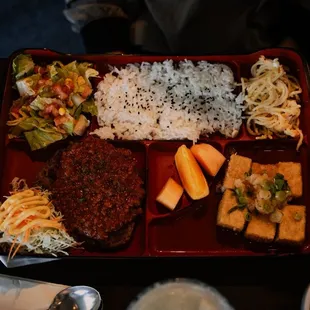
{"x": 271, "y": 100}
{"x": 29, "y": 222}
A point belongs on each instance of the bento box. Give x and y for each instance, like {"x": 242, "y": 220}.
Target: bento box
{"x": 191, "y": 228}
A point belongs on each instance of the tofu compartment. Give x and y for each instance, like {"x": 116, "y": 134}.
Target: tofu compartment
{"x": 271, "y": 157}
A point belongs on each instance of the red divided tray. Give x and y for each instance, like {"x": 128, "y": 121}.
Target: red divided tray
{"x": 190, "y": 230}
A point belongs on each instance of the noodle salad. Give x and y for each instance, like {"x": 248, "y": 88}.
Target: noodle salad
{"x": 29, "y": 221}
{"x": 271, "y": 100}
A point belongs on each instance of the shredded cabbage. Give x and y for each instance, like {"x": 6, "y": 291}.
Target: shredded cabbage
{"x": 43, "y": 241}
{"x": 25, "y": 226}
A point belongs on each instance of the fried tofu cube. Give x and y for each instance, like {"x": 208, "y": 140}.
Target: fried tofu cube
{"x": 292, "y": 229}
{"x": 270, "y": 170}
{"x": 292, "y": 173}
{"x": 234, "y": 220}
{"x": 237, "y": 167}
{"x": 260, "y": 229}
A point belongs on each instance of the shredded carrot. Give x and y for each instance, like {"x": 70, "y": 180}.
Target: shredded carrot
{"x": 12, "y": 247}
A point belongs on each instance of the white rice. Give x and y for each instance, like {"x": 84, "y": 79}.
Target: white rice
{"x": 159, "y": 101}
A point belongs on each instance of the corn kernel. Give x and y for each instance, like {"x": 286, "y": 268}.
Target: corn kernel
{"x": 62, "y": 111}
{"x": 80, "y": 80}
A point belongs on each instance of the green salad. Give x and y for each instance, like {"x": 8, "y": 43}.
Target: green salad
{"x": 53, "y": 101}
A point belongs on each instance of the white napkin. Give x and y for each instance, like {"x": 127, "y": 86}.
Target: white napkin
{"x": 24, "y": 294}
{"x": 23, "y": 261}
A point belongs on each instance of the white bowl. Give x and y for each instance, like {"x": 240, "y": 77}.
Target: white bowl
{"x": 305, "y": 304}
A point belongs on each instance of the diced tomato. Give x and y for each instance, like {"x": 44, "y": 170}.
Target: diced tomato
{"x": 15, "y": 110}
{"x": 57, "y": 89}
{"x": 45, "y": 82}
{"x": 55, "y": 111}
{"x": 46, "y": 116}
{"x": 36, "y": 69}
{"x": 60, "y": 120}
{"x": 48, "y": 109}
{"x": 51, "y": 109}
{"x": 86, "y": 92}
{"x": 69, "y": 86}
{"x": 70, "y": 103}
{"x": 40, "y": 70}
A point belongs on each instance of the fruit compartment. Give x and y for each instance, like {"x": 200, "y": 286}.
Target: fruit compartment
{"x": 161, "y": 167}
{"x": 175, "y": 232}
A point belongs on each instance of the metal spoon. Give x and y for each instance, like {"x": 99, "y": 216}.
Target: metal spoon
{"x": 77, "y": 298}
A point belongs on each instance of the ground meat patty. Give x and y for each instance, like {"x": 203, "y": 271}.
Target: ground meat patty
{"x": 98, "y": 190}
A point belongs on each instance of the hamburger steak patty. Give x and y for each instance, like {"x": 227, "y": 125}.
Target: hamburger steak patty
{"x": 97, "y": 189}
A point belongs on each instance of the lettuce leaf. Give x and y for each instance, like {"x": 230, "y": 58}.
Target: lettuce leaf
{"x": 27, "y": 85}
{"x": 17, "y": 104}
{"x": 29, "y": 124}
{"x": 77, "y": 99}
{"x": 22, "y": 65}
{"x": 39, "y": 138}
{"x": 90, "y": 107}
{"x": 72, "y": 67}
{"x": 77, "y": 112}
{"x": 86, "y": 71}
{"x": 83, "y": 66}
{"x": 40, "y": 103}
{"x": 52, "y": 70}
{"x": 90, "y": 73}
{"x": 68, "y": 127}
{"x": 81, "y": 125}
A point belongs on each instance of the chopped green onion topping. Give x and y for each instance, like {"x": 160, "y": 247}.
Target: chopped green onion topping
{"x": 242, "y": 200}
{"x": 238, "y": 207}
{"x": 280, "y": 196}
{"x": 279, "y": 176}
{"x": 232, "y": 209}
{"x": 238, "y": 192}
{"x": 297, "y": 216}
{"x": 248, "y": 216}
{"x": 247, "y": 174}
{"x": 279, "y": 183}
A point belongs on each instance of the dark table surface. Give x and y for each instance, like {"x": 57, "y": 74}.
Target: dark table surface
{"x": 248, "y": 283}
